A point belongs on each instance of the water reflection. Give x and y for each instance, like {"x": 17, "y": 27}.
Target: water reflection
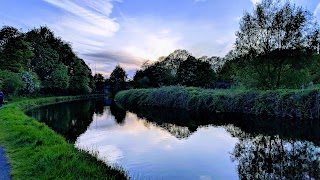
{"x": 271, "y": 157}
{"x": 118, "y": 113}
{"x": 172, "y": 144}
{"x": 267, "y": 148}
{"x": 73, "y": 118}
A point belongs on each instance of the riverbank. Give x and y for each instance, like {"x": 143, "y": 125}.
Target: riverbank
{"x": 35, "y": 151}
{"x": 304, "y": 104}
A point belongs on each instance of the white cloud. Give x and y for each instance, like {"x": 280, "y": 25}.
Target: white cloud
{"x": 104, "y": 41}
{"x": 85, "y": 23}
{"x": 317, "y": 11}
{"x": 255, "y": 1}
{"x": 138, "y": 40}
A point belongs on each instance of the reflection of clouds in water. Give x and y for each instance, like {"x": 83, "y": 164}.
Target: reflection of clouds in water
{"x": 146, "y": 147}
{"x": 103, "y": 131}
{"x": 95, "y": 143}
{"x": 102, "y": 121}
{"x": 110, "y": 152}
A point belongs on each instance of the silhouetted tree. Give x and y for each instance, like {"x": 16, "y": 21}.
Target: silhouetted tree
{"x": 99, "y": 81}
{"x": 194, "y": 72}
{"x": 274, "y": 41}
{"x": 118, "y": 79}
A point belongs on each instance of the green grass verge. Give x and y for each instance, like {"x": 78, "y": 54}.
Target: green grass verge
{"x": 35, "y": 151}
{"x": 281, "y": 103}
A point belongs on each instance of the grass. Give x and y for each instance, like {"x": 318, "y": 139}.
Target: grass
{"x": 35, "y": 151}
{"x": 295, "y": 103}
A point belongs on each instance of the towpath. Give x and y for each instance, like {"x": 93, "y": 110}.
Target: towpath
{"x": 4, "y": 166}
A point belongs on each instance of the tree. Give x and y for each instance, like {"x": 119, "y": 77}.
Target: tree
{"x": 154, "y": 75}
{"x": 79, "y": 78}
{"x": 276, "y": 38}
{"x": 118, "y": 75}
{"x": 15, "y": 51}
{"x": 58, "y": 81}
{"x": 99, "y": 81}
{"x": 31, "y": 82}
{"x": 118, "y": 79}
{"x": 10, "y": 82}
{"x": 194, "y": 72}
{"x": 44, "y": 62}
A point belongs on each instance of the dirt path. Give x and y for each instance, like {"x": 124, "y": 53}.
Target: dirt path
{"x": 4, "y": 166}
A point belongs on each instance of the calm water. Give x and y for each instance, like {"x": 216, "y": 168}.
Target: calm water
{"x": 168, "y": 144}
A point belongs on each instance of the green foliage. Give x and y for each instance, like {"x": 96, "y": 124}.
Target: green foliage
{"x": 15, "y": 51}
{"x": 44, "y": 62}
{"x": 196, "y": 73}
{"x": 280, "y": 103}
{"x": 314, "y": 69}
{"x": 10, "y": 82}
{"x": 118, "y": 75}
{"x": 53, "y": 60}
{"x": 99, "y": 81}
{"x": 274, "y": 45}
{"x": 179, "y": 68}
{"x": 154, "y": 75}
{"x": 58, "y": 79}
{"x": 117, "y": 79}
{"x": 31, "y": 82}
{"x": 37, "y": 152}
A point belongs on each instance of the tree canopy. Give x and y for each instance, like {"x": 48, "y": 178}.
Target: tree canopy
{"x": 117, "y": 79}
{"x": 277, "y": 40}
{"x": 178, "y": 68}
{"x": 42, "y": 61}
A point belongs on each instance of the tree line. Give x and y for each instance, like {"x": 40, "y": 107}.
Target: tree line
{"x": 277, "y": 46}
{"x": 40, "y": 62}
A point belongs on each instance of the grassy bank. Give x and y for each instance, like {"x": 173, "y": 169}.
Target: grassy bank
{"x": 37, "y": 152}
{"x": 281, "y": 103}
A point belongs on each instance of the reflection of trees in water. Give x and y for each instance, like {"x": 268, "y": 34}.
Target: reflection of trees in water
{"x": 268, "y": 148}
{"x": 99, "y": 106}
{"x": 285, "y": 128}
{"x": 270, "y": 157}
{"x": 179, "y": 123}
{"x": 69, "y": 119}
{"x": 178, "y": 131}
{"x": 118, "y": 113}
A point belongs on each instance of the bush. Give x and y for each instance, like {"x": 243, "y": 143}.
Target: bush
{"x": 10, "y": 83}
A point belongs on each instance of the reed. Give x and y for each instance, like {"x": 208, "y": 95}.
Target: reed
{"x": 293, "y": 103}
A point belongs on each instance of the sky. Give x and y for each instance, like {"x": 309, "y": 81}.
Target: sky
{"x": 106, "y": 33}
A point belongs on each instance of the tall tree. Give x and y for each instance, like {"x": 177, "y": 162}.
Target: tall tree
{"x": 99, "y": 81}
{"x": 79, "y": 78}
{"x": 15, "y": 51}
{"x": 275, "y": 39}
{"x": 118, "y": 79}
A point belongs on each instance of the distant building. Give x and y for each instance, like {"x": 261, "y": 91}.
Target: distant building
{"x": 104, "y": 90}
{"x": 223, "y": 85}
{"x": 107, "y": 89}
{"x": 1, "y": 98}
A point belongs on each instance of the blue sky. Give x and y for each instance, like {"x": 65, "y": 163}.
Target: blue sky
{"x": 128, "y": 32}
